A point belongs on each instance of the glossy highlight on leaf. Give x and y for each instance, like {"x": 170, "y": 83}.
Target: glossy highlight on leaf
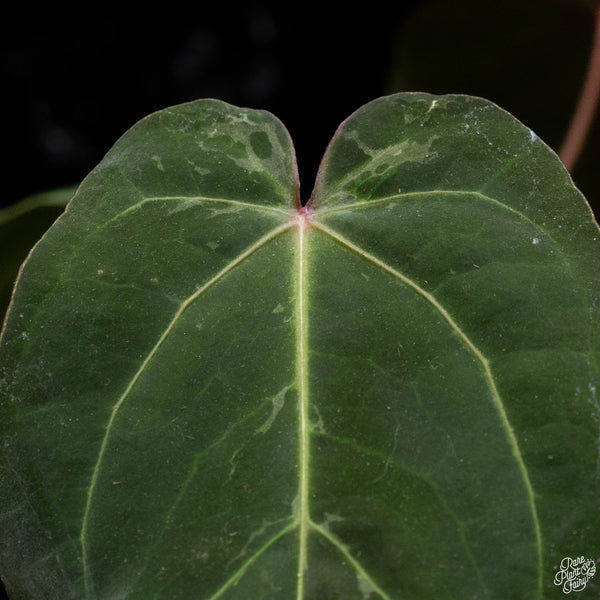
{"x": 209, "y": 391}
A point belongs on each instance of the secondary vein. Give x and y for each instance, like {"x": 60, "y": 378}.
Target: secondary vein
{"x": 351, "y": 559}
{"x": 200, "y": 200}
{"x": 485, "y": 366}
{"x": 185, "y": 304}
{"x": 234, "y": 579}
{"x": 406, "y": 195}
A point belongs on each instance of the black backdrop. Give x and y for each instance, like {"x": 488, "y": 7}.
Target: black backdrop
{"x": 74, "y": 79}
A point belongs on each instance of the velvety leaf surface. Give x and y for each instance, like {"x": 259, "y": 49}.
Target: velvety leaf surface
{"x": 391, "y": 393}
{"x": 21, "y": 226}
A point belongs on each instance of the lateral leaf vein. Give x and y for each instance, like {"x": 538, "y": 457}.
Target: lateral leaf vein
{"x": 481, "y": 359}
{"x": 361, "y": 571}
{"x": 184, "y": 305}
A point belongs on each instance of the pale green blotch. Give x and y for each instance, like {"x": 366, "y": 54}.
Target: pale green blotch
{"x": 365, "y": 587}
{"x": 278, "y": 401}
{"x": 158, "y": 160}
{"x": 384, "y": 162}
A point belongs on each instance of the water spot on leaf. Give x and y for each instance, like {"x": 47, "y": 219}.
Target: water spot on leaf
{"x": 317, "y": 426}
{"x": 278, "y": 401}
{"x": 158, "y": 162}
{"x": 331, "y": 518}
{"x": 296, "y": 505}
{"x": 365, "y": 587}
{"x": 214, "y": 212}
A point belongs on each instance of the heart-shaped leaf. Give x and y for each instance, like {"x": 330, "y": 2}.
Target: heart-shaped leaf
{"x": 209, "y": 391}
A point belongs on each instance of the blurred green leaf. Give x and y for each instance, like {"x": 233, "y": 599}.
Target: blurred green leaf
{"x": 21, "y": 226}
{"x": 529, "y": 57}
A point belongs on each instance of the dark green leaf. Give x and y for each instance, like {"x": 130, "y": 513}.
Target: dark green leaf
{"x": 392, "y": 393}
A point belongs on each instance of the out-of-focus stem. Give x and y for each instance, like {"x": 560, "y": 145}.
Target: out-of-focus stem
{"x": 586, "y": 107}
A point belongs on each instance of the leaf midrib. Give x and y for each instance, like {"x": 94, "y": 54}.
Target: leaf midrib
{"x": 484, "y": 365}
{"x": 184, "y": 305}
{"x": 303, "y": 399}
{"x": 303, "y": 521}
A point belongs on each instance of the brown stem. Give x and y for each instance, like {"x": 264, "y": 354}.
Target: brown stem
{"x": 586, "y": 107}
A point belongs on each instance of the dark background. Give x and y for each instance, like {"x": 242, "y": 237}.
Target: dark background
{"x": 75, "y": 77}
